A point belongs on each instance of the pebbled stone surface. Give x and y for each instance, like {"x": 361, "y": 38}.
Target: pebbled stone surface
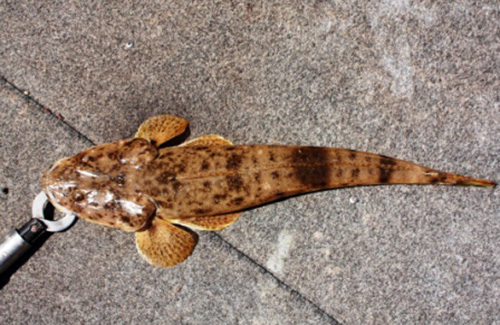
{"x": 416, "y": 81}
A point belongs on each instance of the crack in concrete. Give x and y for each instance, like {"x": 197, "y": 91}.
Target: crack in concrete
{"x": 44, "y": 109}
{"x": 280, "y": 282}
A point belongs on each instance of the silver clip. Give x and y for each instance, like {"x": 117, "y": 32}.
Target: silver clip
{"x": 20, "y": 240}
{"x": 39, "y": 204}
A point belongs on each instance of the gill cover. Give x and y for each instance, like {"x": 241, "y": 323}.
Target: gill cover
{"x": 100, "y": 184}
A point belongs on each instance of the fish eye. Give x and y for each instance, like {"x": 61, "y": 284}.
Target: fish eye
{"x": 87, "y": 159}
{"x": 78, "y": 196}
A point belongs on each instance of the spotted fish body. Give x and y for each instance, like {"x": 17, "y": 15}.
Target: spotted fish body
{"x": 133, "y": 185}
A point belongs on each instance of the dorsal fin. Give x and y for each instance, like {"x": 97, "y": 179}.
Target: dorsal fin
{"x": 208, "y": 140}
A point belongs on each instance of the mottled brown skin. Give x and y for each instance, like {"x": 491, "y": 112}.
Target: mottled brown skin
{"x": 100, "y": 184}
{"x": 161, "y": 194}
{"x": 126, "y": 183}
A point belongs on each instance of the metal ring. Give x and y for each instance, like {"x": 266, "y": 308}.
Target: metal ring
{"x": 39, "y": 204}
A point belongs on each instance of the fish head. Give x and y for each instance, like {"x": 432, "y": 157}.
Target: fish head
{"x": 100, "y": 184}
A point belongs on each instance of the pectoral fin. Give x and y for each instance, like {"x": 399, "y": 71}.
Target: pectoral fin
{"x": 161, "y": 128}
{"x": 208, "y": 222}
{"x": 208, "y": 140}
{"x": 164, "y": 244}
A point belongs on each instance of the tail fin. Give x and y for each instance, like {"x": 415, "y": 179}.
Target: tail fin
{"x": 455, "y": 179}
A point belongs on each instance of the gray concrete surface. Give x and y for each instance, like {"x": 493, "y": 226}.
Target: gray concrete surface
{"x": 417, "y": 81}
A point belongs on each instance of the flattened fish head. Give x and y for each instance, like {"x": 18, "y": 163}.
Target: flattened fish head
{"x": 100, "y": 184}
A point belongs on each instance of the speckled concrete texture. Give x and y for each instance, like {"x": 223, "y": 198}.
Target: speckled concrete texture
{"x": 416, "y": 81}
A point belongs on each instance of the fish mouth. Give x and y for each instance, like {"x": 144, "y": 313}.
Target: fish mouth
{"x": 47, "y": 181}
{"x": 56, "y": 205}
{"x": 59, "y": 207}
